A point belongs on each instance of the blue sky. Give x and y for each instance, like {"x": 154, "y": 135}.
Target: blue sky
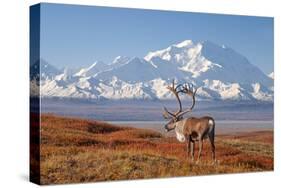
{"x": 76, "y": 36}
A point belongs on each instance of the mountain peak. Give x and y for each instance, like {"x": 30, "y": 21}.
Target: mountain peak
{"x": 184, "y": 43}
{"x": 120, "y": 59}
{"x": 213, "y": 45}
{"x": 136, "y": 59}
{"x": 93, "y": 69}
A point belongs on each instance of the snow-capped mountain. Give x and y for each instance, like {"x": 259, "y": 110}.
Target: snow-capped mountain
{"x": 119, "y": 61}
{"x": 135, "y": 70}
{"x": 207, "y": 60}
{"x": 95, "y": 68}
{"x": 218, "y": 72}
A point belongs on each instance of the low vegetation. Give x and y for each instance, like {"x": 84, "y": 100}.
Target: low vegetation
{"x": 75, "y": 150}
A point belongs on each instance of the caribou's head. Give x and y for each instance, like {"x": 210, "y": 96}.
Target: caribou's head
{"x": 174, "y": 117}
{"x": 172, "y": 123}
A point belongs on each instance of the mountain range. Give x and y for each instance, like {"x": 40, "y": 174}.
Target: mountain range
{"x": 218, "y": 71}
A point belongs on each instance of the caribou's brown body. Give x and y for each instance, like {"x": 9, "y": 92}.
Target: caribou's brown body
{"x": 190, "y": 129}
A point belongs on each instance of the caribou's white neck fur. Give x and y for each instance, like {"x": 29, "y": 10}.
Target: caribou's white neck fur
{"x": 179, "y": 128}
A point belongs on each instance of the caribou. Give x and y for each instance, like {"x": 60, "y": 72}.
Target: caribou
{"x": 192, "y": 129}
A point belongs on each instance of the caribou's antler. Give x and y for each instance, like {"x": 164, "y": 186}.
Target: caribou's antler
{"x": 187, "y": 89}
{"x": 174, "y": 90}
{"x": 190, "y": 90}
{"x": 167, "y": 114}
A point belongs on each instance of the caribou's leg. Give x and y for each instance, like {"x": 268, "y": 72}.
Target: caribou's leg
{"x": 200, "y": 148}
{"x": 212, "y": 142}
{"x": 192, "y": 150}
{"x": 188, "y": 145}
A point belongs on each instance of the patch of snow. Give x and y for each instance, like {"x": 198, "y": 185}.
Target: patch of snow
{"x": 259, "y": 94}
{"x": 184, "y": 43}
{"x": 271, "y": 75}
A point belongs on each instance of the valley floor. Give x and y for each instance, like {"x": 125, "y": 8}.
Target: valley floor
{"x": 77, "y": 150}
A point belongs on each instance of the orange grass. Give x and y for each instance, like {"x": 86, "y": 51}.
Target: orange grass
{"x": 75, "y": 150}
